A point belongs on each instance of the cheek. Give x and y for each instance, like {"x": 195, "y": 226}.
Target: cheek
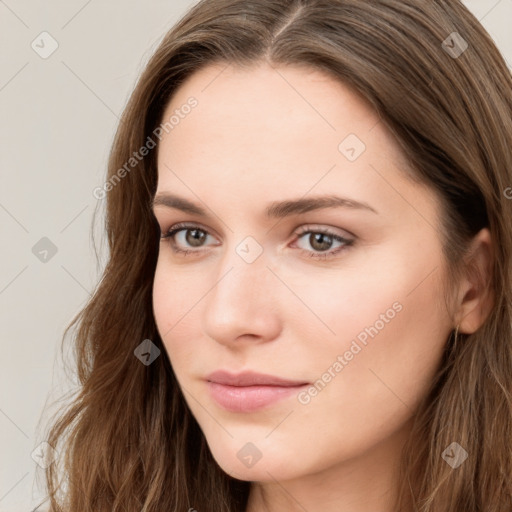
{"x": 170, "y": 302}
{"x": 164, "y": 298}
{"x": 177, "y": 303}
{"x": 390, "y": 336}
{"x": 369, "y": 379}
{"x": 174, "y": 294}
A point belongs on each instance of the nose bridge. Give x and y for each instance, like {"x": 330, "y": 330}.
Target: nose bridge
{"x": 242, "y": 272}
{"x": 240, "y": 301}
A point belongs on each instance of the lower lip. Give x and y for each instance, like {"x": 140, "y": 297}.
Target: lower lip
{"x": 249, "y": 398}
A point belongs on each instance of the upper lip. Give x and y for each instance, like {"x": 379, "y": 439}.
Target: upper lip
{"x": 250, "y": 378}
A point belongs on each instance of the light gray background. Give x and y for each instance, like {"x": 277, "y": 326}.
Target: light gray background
{"x": 57, "y": 119}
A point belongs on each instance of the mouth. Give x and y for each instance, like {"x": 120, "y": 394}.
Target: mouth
{"x": 250, "y": 391}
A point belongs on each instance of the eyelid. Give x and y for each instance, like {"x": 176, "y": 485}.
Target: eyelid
{"x": 324, "y": 227}
{"x": 302, "y": 230}
{"x": 183, "y": 226}
{"x": 307, "y": 228}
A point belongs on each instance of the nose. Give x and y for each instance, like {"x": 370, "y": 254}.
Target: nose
{"x": 243, "y": 304}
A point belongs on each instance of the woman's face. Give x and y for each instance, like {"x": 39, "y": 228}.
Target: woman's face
{"x": 344, "y": 300}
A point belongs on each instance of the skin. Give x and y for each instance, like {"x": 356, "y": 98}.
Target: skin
{"x": 260, "y": 135}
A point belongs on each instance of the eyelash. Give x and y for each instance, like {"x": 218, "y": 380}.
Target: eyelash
{"x": 306, "y": 230}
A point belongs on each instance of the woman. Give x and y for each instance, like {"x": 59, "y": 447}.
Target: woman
{"x": 307, "y": 304}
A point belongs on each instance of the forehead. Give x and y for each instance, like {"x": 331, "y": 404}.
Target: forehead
{"x": 270, "y": 98}
{"x": 289, "y": 111}
{"x": 271, "y": 131}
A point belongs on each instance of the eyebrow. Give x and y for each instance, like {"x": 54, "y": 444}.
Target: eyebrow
{"x": 277, "y": 209}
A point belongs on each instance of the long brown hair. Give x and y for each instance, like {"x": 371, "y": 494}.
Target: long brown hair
{"x": 128, "y": 441}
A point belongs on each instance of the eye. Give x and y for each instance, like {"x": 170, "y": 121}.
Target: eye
{"x": 319, "y": 239}
{"x": 196, "y": 237}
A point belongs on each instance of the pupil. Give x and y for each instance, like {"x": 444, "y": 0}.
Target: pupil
{"x": 196, "y": 239}
{"x": 319, "y": 237}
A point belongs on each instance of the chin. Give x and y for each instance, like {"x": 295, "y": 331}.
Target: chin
{"x": 257, "y": 461}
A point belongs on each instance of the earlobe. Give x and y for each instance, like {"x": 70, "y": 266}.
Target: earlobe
{"x": 476, "y": 294}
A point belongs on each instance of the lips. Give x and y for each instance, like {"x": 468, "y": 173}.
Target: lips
{"x": 250, "y": 378}
{"x": 250, "y": 391}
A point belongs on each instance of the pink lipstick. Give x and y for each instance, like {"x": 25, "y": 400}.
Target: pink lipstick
{"x": 249, "y": 391}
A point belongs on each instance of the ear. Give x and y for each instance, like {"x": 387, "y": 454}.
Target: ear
{"x": 476, "y": 297}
